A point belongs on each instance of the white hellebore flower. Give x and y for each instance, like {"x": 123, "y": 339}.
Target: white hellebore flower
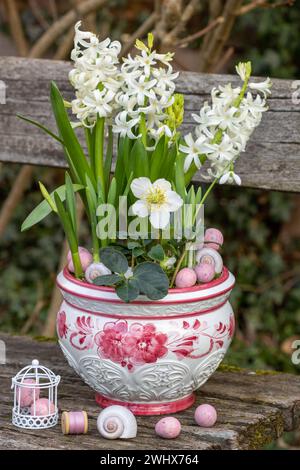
{"x": 156, "y": 200}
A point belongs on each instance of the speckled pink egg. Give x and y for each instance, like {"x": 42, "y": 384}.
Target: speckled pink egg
{"x": 205, "y": 416}
{"x": 26, "y": 395}
{"x": 168, "y": 428}
{"x": 42, "y": 408}
{"x": 213, "y": 238}
{"x": 186, "y": 277}
{"x": 85, "y": 256}
{"x": 205, "y": 272}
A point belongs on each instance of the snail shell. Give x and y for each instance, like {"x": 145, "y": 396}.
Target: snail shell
{"x": 210, "y": 256}
{"x": 95, "y": 270}
{"x": 117, "y": 422}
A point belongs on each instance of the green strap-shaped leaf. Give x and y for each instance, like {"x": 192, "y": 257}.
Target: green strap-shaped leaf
{"x": 74, "y": 149}
{"x": 67, "y": 223}
{"x": 111, "y": 197}
{"x": 179, "y": 176}
{"x": 43, "y": 209}
{"x": 70, "y": 201}
{"x": 108, "y": 157}
{"x": 157, "y": 159}
{"x": 42, "y": 127}
{"x": 139, "y": 157}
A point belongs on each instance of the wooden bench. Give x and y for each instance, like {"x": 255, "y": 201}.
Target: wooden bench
{"x": 254, "y": 408}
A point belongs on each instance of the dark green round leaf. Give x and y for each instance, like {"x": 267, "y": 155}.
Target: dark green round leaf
{"x": 128, "y": 290}
{"x": 157, "y": 253}
{"x": 152, "y": 280}
{"x": 138, "y": 252}
{"x": 132, "y": 245}
{"x": 114, "y": 260}
{"x": 107, "y": 280}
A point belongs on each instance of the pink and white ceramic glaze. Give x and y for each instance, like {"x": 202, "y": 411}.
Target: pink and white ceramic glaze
{"x": 147, "y": 355}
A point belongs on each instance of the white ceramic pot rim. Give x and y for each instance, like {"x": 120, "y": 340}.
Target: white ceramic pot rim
{"x": 216, "y": 288}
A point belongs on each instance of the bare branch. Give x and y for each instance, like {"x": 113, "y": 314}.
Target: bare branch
{"x": 221, "y": 34}
{"x": 63, "y": 24}
{"x": 202, "y": 32}
{"x": 16, "y": 27}
{"x": 186, "y": 15}
{"x": 263, "y": 4}
{"x": 139, "y": 33}
{"x": 22, "y": 181}
{"x": 37, "y": 12}
{"x": 65, "y": 46}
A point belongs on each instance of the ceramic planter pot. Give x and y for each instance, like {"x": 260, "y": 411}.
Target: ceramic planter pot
{"x": 147, "y": 355}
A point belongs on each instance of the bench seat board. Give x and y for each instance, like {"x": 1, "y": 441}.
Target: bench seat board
{"x": 271, "y": 161}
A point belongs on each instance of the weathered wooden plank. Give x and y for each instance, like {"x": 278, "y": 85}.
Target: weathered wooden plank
{"x": 252, "y": 409}
{"x": 272, "y": 159}
{"x": 279, "y": 390}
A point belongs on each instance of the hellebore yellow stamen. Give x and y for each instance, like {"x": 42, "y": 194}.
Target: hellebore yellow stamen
{"x": 157, "y": 196}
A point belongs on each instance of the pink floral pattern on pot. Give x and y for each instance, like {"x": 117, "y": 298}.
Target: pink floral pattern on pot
{"x": 138, "y": 344}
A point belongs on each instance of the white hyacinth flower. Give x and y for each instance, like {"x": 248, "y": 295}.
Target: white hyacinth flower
{"x": 155, "y": 200}
{"x": 95, "y": 76}
{"x": 230, "y": 177}
{"x": 224, "y": 151}
{"x": 243, "y": 69}
{"x": 263, "y": 87}
{"x": 147, "y": 90}
{"x": 98, "y": 102}
{"x": 142, "y": 89}
{"x": 193, "y": 149}
{"x": 123, "y": 125}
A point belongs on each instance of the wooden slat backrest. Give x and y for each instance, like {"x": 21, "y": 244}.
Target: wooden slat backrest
{"x": 272, "y": 159}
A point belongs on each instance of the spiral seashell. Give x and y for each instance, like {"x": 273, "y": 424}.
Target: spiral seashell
{"x": 117, "y": 422}
{"x": 95, "y": 270}
{"x": 210, "y": 256}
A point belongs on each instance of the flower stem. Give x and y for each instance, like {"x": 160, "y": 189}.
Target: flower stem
{"x": 98, "y": 151}
{"x": 180, "y": 261}
{"x": 77, "y": 264}
{"x": 143, "y": 129}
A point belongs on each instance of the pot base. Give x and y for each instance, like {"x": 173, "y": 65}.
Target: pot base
{"x": 149, "y": 409}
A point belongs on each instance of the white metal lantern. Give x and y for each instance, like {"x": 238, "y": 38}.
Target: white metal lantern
{"x": 35, "y": 397}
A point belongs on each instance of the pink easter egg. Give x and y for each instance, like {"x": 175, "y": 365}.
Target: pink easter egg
{"x": 85, "y": 256}
{"x": 42, "y": 407}
{"x": 205, "y": 416}
{"x": 186, "y": 277}
{"x": 168, "y": 428}
{"x": 26, "y": 395}
{"x": 205, "y": 272}
{"x": 213, "y": 238}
